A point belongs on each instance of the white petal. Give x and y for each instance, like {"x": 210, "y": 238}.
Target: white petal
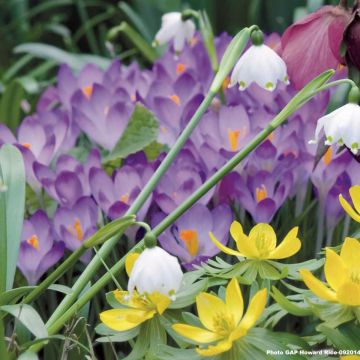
{"x": 179, "y": 39}
{"x": 171, "y": 22}
{"x": 351, "y": 129}
{"x": 190, "y": 28}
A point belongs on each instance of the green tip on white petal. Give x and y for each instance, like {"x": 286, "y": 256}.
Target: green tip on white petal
{"x": 354, "y": 148}
{"x": 242, "y": 85}
{"x": 269, "y": 85}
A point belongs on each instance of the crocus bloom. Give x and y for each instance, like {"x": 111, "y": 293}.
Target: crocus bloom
{"x": 306, "y": 59}
{"x": 352, "y": 37}
{"x": 157, "y": 277}
{"x": 342, "y": 273}
{"x": 38, "y": 249}
{"x": 188, "y": 237}
{"x": 353, "y": 212}
{"x": 260, "y": 243}
{"x": 259, "y": 64}
{"x": 341, "y": 126}
{"x": 223, "y": 322}
{"x": 174, "y": 27}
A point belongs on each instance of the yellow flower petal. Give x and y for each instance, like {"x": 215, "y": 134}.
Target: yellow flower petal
{"x": 254, "y": 310}
{"x": 161, "y": 301}
{"x": 208, "y": 306}
{"x": 288, "y": 247}
{"x": 335, "y": 270}
{"x": 222, "y": 247}
{"x": 264, "y": 238}
{"x": 197, "y": 334}
{"x": 349, "y": 294}
{"x": 355, "y": 197}
{"x": 219, "y": 348}
{"x": 244, "y": 245}
{"x": 350, "y": 252}
{"x": 130, "y": 261}
{"x": 348, "y": 208}
{"x": 123, "y": 319}
{"x": 234, "y": 300}
{"x": 317, "y": 287}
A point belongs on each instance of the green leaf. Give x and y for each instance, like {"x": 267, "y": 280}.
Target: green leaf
{"x": 338, "y": 339}
{"x": 290, "y": 307}
{"x": 10, "y": 109}
{"x": 118, "y": 337}
{"x": 12, "y": 202}
{"x": 153, "y": 150}
{"x": 7, "y": 297}
{"x": 141, "y": 131}
{"x": 61, "y": 288}
{"x": 267, "y": 271}
{"x": 28, "y": 317}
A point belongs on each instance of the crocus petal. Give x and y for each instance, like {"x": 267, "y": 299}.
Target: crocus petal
{"x": 335, "y": 269}
{"x": 234, "y": 300}
{"x": 197, "y": 334}
{"x": 219, "y": 348}
{"x": 208, "y": 306}
{"x": 118, "y": 319}
{"x": 349, "y": 294}
{"x": 130, "y": 261}
{"x": 316, "y": 286}
{"x": 355, "y": 197}
{"x": 222, "y": 247}
{"x": 289, "y": 246}
{"x": 254, "y": 310}
{"x": 350, "y": 252}
{"x": 243, "y": 244}
{"x": 348, "y": 209}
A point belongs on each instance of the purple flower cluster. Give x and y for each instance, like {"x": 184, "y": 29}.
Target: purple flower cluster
{"x": 90, "y": 111}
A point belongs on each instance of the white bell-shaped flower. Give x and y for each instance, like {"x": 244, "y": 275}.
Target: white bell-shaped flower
{"x": 174, "y": 27}
{"x": 341, "y": 126}
{"x": 156, "y": 270}
{"x": 259, "y": 64}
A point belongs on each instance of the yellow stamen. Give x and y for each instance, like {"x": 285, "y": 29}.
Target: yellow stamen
{"x": 87, "y": 91}
{"x": 124, "y": 198}
{"x": 175, "y": 99}
{"x": 271, "y": 137}
{"x": 193, "y": 41}
{"x": 223, "y": 323}
{"x": 233, "y": 138}
{"x": 133, "y": 98}
{"x": 76, "y": 230}
{"x": 261, "y": 193}
{"x": 328, "y": 156}
{"x": 180, "y": 68}
{"x": 225, "y": 83}
{"x": 191, "y": 240}
{"x": 33, "y": 241}
{"x": 27, "y": 145}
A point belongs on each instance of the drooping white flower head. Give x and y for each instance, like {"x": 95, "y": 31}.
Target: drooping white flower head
{"x": 155, "y": 270}
{"x": 259, "y": 64}
{"x": 341, "y": 126}
{"x": 174, "y": 27}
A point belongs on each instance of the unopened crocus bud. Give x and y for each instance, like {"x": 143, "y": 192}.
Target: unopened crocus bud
{"x": 352, "y": 39}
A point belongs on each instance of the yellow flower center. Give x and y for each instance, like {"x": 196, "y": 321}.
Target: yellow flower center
{"x": 223, "y": 324}
{"x": 263, "y": 244}
{"x": 76, "y": 230}
{"x": 328, "y": 156}
{"x": 180, "y": 68}
{"x": 260, "y": 193}
{"x": 125, "y": 198}
{"x": 191, "y": 240}
{"x": 355, "y": 276}
{"x": 87, "y": 91}
{"x": 233, "y": 136}
{"x": 175, "y": 99}
{"x": 33, "y": 241}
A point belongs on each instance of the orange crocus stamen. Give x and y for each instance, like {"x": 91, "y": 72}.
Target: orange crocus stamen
{"x": 260, "y": 193}
{"x": 26, "y": 145}
{"x": 180, "y": 68}
{"x": 225, "y": 83}
{"x": 33, "y": 241}
{"x": 191, "y": 240}
{"x": 124, "y": 198}
{"x": 76, "y": 230}
{"x": 328, "y": 156}
{"x": 175, "y": 99}
{"x": 271, "y": 137}
{"x": 234, "y": 139}
{"x": 87, "y": 91}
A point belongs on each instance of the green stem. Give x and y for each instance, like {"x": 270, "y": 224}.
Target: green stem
{"x": 290, "y": 108}
{"x": 92, "y": 267}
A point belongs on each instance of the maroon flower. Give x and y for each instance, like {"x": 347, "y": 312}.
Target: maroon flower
{"x": 352, "y": 38}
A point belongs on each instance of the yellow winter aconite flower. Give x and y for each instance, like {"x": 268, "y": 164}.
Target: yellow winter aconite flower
{"x": 223, "y": 322}
{"x": 342, "y": 273}
{"x": 260, "y": 243}
{"x": 355, "y": 198}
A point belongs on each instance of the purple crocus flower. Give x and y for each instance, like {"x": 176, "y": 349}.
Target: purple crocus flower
{"x": 70, "y": 179}
{"x": 38, "y": 249}
{"x": 188, "y": 238}
{"x": 184, "y": 177}
{"x": 101, "y": 116}
{"x": 115, "y": 194}
{"x": 74, "y": 225}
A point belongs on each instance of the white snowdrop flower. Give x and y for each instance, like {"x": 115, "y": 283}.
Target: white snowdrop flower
{"x": 156, "y": 270}
{"x": 259, "y": 64}
{"x": 174, "y": 27}
{"x": 341, "y": 126}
